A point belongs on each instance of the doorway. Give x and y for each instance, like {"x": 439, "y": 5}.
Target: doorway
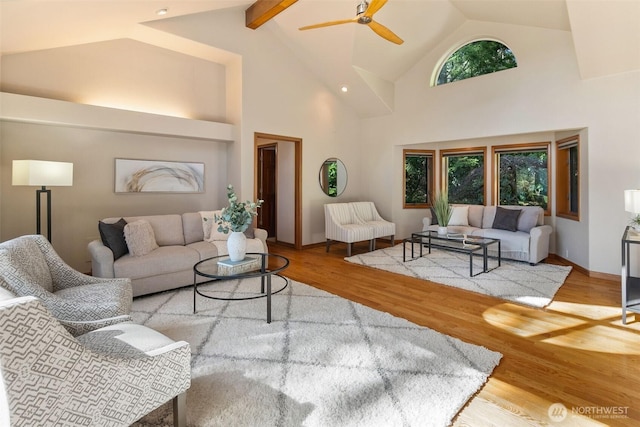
{"x": 278, "y": 181}
{"x": 267, "y": 187}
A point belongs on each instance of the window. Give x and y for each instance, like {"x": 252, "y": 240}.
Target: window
{"x": 418, "y": 178}
{"x": 475, "y": 59}
{"x": 568, "y": 178}
{"x": 463, "y": 173}
{"x": 522, "y": 175}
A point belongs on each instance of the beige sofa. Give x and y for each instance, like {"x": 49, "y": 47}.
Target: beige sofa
{"x": 182, "y": 240}
{"x": 525, "y": 238}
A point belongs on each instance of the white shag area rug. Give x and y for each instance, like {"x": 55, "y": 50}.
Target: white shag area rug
{"x": 323, "y": 361}
{"x": 513, "y": 281}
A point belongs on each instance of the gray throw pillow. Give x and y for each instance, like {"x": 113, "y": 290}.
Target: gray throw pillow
{"x": 250, "y": 233}
{"x": 506, "y": 219}
{"x": 112, "y": 236}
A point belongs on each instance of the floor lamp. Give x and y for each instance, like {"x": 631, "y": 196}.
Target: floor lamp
{"x": 42, "y": 174}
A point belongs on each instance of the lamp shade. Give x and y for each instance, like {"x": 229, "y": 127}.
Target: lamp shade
{"x": 42, "y": 173}
{"x": 632, "y": 201}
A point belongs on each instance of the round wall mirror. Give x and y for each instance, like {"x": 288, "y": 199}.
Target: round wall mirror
{"x": 333, "y": 177}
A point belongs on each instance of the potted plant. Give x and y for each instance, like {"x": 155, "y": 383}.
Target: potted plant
{"x": 236, "y": 218}
{"x": 443, "y": 211}
{"x": 635, "y": 222}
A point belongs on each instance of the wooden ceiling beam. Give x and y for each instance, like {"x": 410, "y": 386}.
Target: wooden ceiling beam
{"x": 263, "y": 10}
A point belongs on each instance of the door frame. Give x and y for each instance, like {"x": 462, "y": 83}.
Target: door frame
{"x": 257, "y": 136}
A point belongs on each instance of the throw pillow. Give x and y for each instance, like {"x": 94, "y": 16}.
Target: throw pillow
{"x": 112, "y": 236}
{"x": 207, "y": 222}
{"x": 506, "y": 219}
{"x": 460, "y": 216}
{"x": 528, "y": 219}
{"x": 140, "y": 238}
{"x": 250, "y": 233}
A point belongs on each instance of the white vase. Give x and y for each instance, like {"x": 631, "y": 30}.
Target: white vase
{"x": 237, "y": 245}
{"x": 442, "y": 231}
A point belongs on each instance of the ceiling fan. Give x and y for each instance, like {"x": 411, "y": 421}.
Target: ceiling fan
{"x": 364, "y": 15}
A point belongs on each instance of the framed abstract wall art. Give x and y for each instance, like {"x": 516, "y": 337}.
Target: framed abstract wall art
{"x": 158, "y": 176}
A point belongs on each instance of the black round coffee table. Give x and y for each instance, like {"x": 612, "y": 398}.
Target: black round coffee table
{"x": 220, "y": 268}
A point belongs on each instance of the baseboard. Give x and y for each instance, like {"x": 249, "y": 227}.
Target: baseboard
{"x": 594, "y": 274}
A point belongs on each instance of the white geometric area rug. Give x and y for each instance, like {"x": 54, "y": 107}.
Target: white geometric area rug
{"x": 513, "y": 281}
{"x": 323, "y": 361}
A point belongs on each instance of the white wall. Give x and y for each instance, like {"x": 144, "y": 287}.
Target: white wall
{"x": 543, "y": 95}
{"x": 270, "y": 91}
{"x": 281, "y": 96}
{"x": 125, "y": 74}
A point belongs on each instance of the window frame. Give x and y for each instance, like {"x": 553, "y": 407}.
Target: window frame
{"x": 496, "y": 150}
{"x": 444, "y": 170}
{"x": 563, "y": 178}
{"x": 430, "y": 177}
{"x": 447, "y": 56}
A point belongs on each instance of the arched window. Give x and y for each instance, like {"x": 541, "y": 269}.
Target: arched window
{"x": 475, "y": 59}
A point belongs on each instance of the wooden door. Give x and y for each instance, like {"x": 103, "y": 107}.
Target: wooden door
{"x": 267, "y": 185}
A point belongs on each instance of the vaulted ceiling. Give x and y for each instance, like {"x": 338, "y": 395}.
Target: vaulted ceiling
{"x": 605, "y": 32}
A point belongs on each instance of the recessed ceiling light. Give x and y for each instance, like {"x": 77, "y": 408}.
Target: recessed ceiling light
{"x": 161, "y": 12}
{"x": 344, "y": 89}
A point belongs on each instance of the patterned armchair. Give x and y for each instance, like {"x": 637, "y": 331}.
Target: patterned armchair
{"x": 341, "y": 224}
{"x": 108, "y": 377}
{"x": 30, "y": 266}
{"x": 368, "y": 213}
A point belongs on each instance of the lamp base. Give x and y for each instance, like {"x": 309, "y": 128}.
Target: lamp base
{"x": 39, "y": 211}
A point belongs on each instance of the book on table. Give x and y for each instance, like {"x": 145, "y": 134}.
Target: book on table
{"x": 228, "y": 267}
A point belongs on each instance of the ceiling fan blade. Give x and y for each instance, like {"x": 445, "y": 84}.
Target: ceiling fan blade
{"x": 384, "y": 32}
{"x": 327, "y": 24}
{"x": 373, "y": 7}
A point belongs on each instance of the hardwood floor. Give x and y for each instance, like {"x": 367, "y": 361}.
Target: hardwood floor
{"x": 575, "y": 352}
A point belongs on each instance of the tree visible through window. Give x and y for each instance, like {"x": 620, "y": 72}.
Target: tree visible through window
{"x": 475, "y": 59}
{"x": 523, "y": 175}
{"x": 464, "y": 172}
{"x": 418, "y": 178}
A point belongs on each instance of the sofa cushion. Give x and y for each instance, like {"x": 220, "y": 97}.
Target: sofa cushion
{"x": 476, "y": 213}
{"x": 205, "y": 249}
{"x": 112, "y": 236}
{"x": 528, "y": 219}
{"x": 513, "y": 245}
{"x": 506, "y": 219}
{"x": 193, "y": 227}
{"x": 164, "y": 260}
{"x": 140, "y": 238}
{"x": 167, "y": 228}
{"x": 460, "y": 216}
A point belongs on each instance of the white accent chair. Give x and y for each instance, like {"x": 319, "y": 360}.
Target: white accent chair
{"x": 29, "y": 266}
{"x": 343, "y": 225}
{"x": 368, "y": 213}
{"x": 112, "y": 376}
